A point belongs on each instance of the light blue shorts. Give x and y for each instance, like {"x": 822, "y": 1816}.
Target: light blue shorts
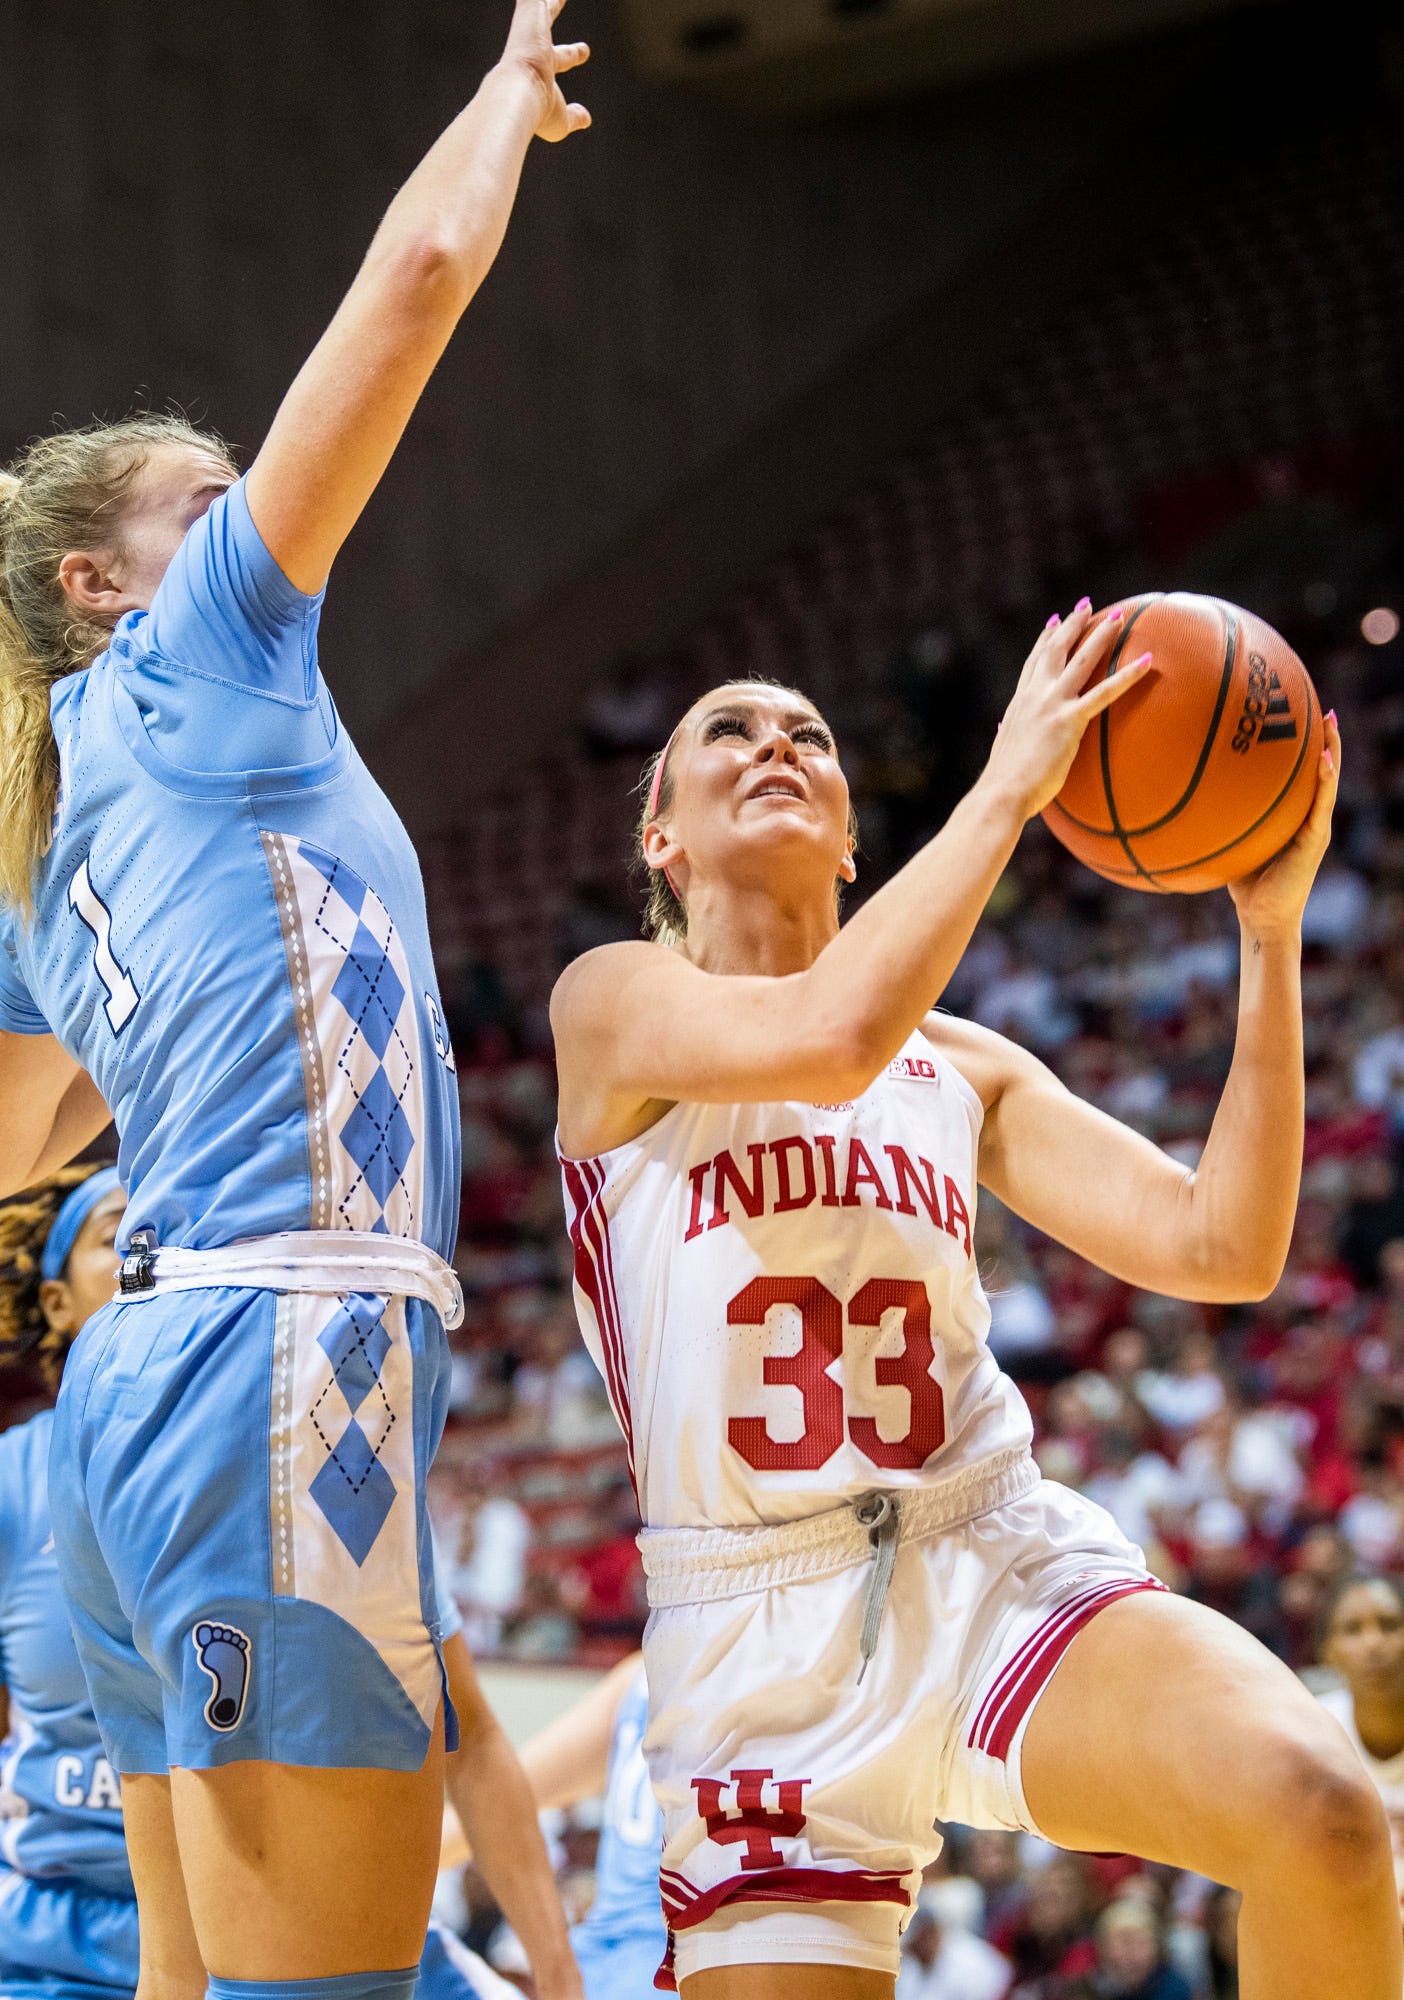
{"x": 62, "y": 1941}
{"x": 449, "y": 1971}
{"x": 618, "y": 1968}
{"x": 237, "y": 1483}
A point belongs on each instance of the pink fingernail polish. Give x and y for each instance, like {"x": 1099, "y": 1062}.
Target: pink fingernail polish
{"x": 1330, "y": 762}
{"x": 1114, "y": 616}
{"x": 1083, "y": 604}
{"x": 1331, "y": 716}
{"x": 1054, "y": 620}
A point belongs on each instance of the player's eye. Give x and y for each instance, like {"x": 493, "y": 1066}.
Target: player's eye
{"x": 724, "y": 725}
{"x": 815, "y": 733}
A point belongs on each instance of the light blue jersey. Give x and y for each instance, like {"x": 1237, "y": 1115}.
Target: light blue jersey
{"x": 60, "y": 1798}
{"x": 229, "y": 929}
{"x": 229, "y": 934}
{"x": 622, "y": 1941}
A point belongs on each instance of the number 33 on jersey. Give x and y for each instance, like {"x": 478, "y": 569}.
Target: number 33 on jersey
{"x": 784, "y": 1300}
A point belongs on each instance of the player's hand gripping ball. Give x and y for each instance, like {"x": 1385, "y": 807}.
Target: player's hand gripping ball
{"x": 1204, "y": 772}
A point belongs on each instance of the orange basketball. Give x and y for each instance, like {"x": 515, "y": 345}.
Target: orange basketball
{"x": 1206, "y": 770}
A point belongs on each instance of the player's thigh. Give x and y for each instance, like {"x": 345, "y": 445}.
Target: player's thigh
{"x": 298, "y": 1873}
{"x": 171, "y": 1965}
{"x": 786, "y": 1982}
{"x": 1169, "y": 1733}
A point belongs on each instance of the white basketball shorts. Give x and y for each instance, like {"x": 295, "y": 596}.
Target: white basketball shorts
{"x": 798, "y": 1804}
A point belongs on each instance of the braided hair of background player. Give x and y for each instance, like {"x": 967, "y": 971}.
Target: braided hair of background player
{"x": 25, "y": 1222}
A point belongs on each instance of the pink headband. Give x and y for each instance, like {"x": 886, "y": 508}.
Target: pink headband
{"x": 654, "y": 796}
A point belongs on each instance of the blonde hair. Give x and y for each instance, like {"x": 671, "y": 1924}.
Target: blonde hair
{"x": 665, "y": 913}
{"x": 25, "y": 1222}
{"x": 62, "y": 493}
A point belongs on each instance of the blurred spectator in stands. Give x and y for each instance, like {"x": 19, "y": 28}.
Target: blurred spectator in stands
{"x": 544, "y": 1627}
{"x": 489, "y": 1573}
{"x": 558, "y": 1392}
{"x": 1139, "y": 1488}
{"x": 1374, "y": 1219}
{"x": 1379, "y": 1072}
{"x": 1249, "y": 1456}
{"x": 995, "y": 1862}
{"x": 1131, "y": 1962}
{"x": 605, "y": 1587}
{"x": 1227, "y": 1570}
{"x": 1051, "y": 1939}
{"x": 1337, "y": 907}
{"x": 941, "y": 1957}
{"x": 1191, "y": 1389}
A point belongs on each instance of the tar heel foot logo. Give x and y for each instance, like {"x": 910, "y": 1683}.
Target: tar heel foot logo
{"x": 1267, "y": 713}
{"x": 226, "y": 1655}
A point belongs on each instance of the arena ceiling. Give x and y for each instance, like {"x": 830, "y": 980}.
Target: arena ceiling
{"x": 802, "y": 55}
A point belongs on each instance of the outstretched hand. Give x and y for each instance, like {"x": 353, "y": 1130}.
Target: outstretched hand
{"x": 532, "y": 44}
{"x": 1060, "y": 691}
{"x": 1271, "y": 901}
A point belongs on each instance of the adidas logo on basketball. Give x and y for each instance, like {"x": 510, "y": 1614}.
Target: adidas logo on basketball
{"x": 1267, "y": 713}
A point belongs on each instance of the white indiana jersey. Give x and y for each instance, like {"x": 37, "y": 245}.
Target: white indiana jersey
{"x": 784, "y": 1302}
{"x": 1387, "y": 1772}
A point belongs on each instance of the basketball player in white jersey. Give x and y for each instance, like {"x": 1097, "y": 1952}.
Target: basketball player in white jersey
{"x": 771, "y": 1151}
{"x": 1364, "y": 1642}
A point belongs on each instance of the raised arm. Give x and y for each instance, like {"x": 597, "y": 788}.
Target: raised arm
{"x": 822, "y": 1035}
{"x": 347, "y": 410}
{"x": 1222, "y": 1230}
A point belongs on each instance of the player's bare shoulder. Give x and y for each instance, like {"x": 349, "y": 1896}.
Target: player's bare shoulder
{"x": 588, "y": 993}
{"x": 987, "y": 1061}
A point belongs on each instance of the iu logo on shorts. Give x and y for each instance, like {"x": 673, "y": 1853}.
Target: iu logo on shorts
{"x": 753, "y": 1822}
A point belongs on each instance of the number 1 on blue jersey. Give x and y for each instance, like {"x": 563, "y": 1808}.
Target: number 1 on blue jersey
{"x": 122, "y": 995}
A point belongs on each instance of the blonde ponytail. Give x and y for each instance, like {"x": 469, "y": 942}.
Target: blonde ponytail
{"x": 64, "y": 493}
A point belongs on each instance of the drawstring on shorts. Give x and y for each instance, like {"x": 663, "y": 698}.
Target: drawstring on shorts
{"x": 881, "y": 1515}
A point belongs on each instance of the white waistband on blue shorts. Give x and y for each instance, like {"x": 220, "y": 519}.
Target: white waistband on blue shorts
{"x": 700, "y": 1565}
{"x": 333, "y": 1262}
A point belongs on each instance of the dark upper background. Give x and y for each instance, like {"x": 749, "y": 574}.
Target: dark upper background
{"x": 794, "y": 241}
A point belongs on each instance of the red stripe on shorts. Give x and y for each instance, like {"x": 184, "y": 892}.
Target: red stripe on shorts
{"x": 686, "y": 1907}
{"x": 1002, "y": 1728}
{"x": 1010, "y": 1673}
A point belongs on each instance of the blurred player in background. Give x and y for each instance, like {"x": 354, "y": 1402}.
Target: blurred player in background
{"x": 68, "y": 1914}
{"x": 214, "y": 925}
{"x": 1364, "y": 1642}
{"x": 597, "y": 1750}
{"x": 771, "y": 1149}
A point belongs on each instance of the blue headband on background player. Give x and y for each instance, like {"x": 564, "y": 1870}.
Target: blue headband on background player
{"x": 71, "y": 1217}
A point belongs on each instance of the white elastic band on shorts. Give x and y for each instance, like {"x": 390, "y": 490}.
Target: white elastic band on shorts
{"x": 705, "y": 1565}
{"x": 333, "y": 1262}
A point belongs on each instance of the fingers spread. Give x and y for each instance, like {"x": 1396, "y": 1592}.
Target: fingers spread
{"x": 571, "y": 55}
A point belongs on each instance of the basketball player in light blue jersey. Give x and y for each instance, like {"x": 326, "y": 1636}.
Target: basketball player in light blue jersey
{"x": 68, "y": 1914}
{"x": 598, "y": 1748}
{"x": 214, "y": 926}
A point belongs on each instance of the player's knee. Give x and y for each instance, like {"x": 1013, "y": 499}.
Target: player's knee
{"x": 1320, "y": 1814}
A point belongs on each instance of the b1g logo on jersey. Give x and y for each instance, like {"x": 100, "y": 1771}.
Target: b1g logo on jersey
{"x": 912, "y": 1069}
{"x": 1267, "y": 713}
{"x": 753, "y": 1824}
